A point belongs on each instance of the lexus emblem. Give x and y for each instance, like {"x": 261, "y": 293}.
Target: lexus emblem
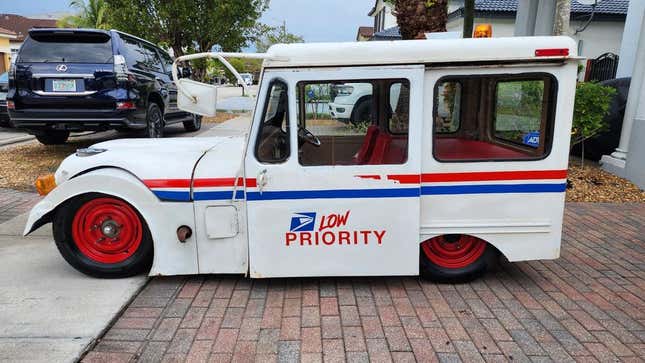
{"x": 61, "y": 68}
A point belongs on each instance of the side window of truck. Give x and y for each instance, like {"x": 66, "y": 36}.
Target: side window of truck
{"x": 272, "y": 142}
{"x": 358, "y": 122}
{"x": 493, "y": 117}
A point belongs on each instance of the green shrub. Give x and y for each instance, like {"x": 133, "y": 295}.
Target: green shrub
{"x": 590, "y": 108}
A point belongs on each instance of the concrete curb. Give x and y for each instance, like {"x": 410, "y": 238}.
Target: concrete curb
{"x": 15, "y": 140}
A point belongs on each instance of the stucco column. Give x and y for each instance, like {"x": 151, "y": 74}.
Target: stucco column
{"x": 633, "y": 28}
{"x": 635, "y": 96}
{"x": 525, "y": 18}
{"x": 545, "y": 17}
{"x": 635, "y": 107}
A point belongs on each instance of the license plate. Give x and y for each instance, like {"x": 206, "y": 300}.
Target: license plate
{"x": 64, "y": 85}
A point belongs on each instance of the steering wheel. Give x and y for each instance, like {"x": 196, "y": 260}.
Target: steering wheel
{"x": 306, "y": 135}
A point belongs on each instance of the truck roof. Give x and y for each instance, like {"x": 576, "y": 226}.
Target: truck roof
{"x": 421, "y": 51}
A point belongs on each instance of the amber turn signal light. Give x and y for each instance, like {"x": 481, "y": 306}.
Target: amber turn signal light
{"x": 45, "y": 184}
{"x": 483, "y": 31}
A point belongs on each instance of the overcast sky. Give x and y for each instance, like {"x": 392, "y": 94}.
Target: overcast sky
{"x": 315, "y": 20}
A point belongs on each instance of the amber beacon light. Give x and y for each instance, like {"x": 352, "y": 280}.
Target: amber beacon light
{"x": 483, "y": 31}
{"x": 45, "y": 184}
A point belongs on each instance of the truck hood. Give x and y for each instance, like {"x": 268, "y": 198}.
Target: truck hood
{"x": 147, "y": 159}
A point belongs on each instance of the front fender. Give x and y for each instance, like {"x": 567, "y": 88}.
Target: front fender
{"x": 162, "y": 218}
{"x": 113, "y": 181}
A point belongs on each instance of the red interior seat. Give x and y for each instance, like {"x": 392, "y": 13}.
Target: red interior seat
{"x": 397, "y": 153}
{"x": 381, "y": 147}
{"x": 363, "y": 154}
{"x": 464, "y": 149}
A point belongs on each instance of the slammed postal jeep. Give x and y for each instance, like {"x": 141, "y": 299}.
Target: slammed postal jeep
{"x": 460, "y": 158}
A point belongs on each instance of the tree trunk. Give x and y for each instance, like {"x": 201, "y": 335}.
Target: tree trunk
{"x": 416, "y": 17}
{"x": 562, "y": 15}
{"x": 469, "y": 18}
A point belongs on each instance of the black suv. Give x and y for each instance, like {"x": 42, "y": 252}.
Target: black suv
{"x": 92, "y": 80}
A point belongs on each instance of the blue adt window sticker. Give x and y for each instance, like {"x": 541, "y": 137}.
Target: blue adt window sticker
{"x": 532, "y": 139}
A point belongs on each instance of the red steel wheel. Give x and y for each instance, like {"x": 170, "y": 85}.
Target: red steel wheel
{"x": 455, "y": 258}
{"x": 453, "y": 251}
{"x": 107, "y": 230}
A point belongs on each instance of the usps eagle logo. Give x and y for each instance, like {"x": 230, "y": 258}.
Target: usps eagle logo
{"x": 301, "y": 222}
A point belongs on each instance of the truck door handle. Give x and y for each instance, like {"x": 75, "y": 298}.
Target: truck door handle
{"x": 262, "y": 180}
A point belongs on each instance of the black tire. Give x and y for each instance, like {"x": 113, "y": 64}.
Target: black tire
{"x": 52, "y": 137}
{"x": 138, "y": 262}
{"x": 363, "y": 111}
{"x": 193, "y": 125}
{"x": 430, "y": 270}
{"x": 154, "y": 121}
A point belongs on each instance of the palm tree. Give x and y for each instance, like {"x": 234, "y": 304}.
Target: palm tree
{"x": 416, "y": 17}
{"x": 92, "y": 14}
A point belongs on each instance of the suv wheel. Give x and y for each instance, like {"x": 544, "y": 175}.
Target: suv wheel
{"x": 193, "y": 125}
{"x": 362, "y": 111}
{"x": 154, "y": 121}
{"x": 52, "y": 137}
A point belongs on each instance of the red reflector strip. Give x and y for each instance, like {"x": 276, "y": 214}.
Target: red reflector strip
{"x": 552, "y": 52}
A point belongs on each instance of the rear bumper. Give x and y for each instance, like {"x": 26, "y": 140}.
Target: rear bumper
{"x": 76, "y": 120}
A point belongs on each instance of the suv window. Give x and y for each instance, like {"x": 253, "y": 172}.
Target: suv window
{"x": 153, "y": 60}
{"x": 134, "y": 53}
{"x": 72, "y": 47}
{"x": 167, "y": 61}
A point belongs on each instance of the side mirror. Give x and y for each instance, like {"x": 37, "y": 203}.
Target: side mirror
{"x": 196, "y": 97}
{"x": 186, "y": 72}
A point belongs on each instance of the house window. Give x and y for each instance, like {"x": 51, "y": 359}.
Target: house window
{"x": 493, "y": 117}
{"x": 353, "y": 122}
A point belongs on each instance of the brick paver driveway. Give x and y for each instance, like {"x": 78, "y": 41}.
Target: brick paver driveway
{"x": 586, "y": 306}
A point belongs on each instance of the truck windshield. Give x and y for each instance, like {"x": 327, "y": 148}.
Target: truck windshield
{"x": 69, "y": 47}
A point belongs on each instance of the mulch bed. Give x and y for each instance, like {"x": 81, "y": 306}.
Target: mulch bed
{"x": 592, "y": 184}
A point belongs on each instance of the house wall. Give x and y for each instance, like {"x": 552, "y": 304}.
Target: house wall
{"x": 600, "y": 37}
{"x": 383, "y": 10}
{"x": 5, "y": 53}
{"x": 501, "y": 27}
